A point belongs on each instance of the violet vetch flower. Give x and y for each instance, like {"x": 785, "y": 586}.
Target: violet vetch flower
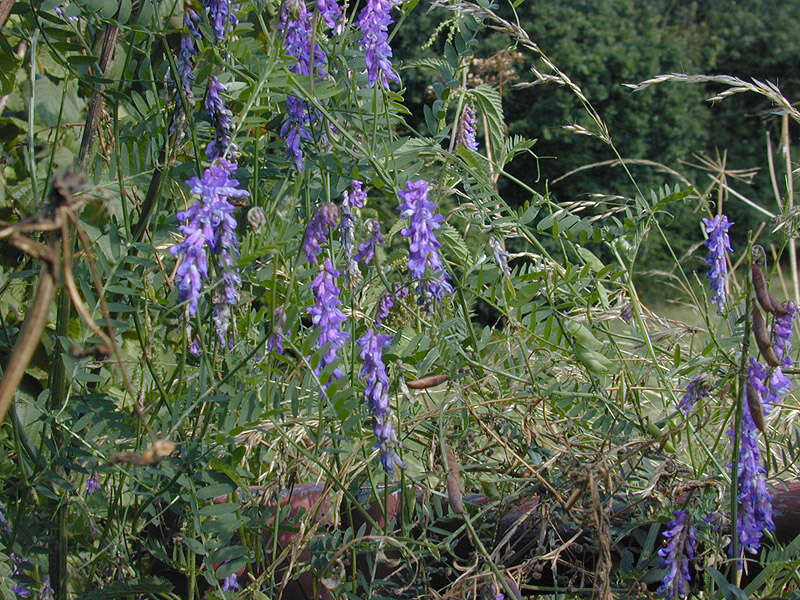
{"x": 465, "y": 132}
{"x": 423, "y": 252}
{"x": 374, "y": 21}
{"x": 209, "y": 225}
{"x": 222, "y": 16}
{"x": 16, "y": 570}
{"x": 755, "y": 502}
{"x": 231, "y": 583}
{"x": 695, "y": 391}
{"x": 318, "y": 229}
{"x": 782, "y": 330}
{"x": 275, "y": 340}
{"x": 376, "y": 395}
{"x": 718, "y": 244}
{"x": 327, "y": 317}
{"x": 367, "y": 250}
{"x": 500, "y": 254}
{"x": 330, "y": 12}
{"x": 296, "y": 25}
{"x": 356, "y": 197}
{"x": 681, "y": 538}
{"x": 386, "y": 303}
{"x": 93, "y": 484}
{"x": 186, "y": 56}
{"x": 221, "y": 118}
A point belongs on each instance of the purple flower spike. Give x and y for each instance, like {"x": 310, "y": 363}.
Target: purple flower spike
{"x": 330, "y": 12}
{"x": 275, "y": 340}
{"x": 681, "y": 538}
{"x": 755, "y": 502}
{"x": 188, "y": 52}
{"x": 221, "y": 118}
{"x": 423, "y": 253}
{"x": 367, "y": 250}
{"x": 718, "y": 244}
{"x": 376, "y": 395}
{"x": 695, "y": 391}
{"x": 318, "y": 229}
{"x": 500, "y": 254}
{"x": 356, "y": 197}
{"x": 222, "y": 17}
{"x": 327, "y": 317}
{"x": 296, "y": 25}
{"x": 374, "y": 21}
{"x": 93, "y": 484}
{"x": 782, "y": 330}
{"x": 465, "y": 133}
{"x": 209, "y": 225}
{"x": 231, "y": 583}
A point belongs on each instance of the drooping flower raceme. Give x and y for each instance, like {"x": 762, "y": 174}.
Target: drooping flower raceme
{"x": 386, "y": 303}
{"x": 185, "y": 62}
{"x": 222, "y": 16}
{"x": 330, "y": 12}
{"x": 500, "y": 254}
{"x": 296, "y": 25}
{"x": 275, "y": 340}
{"x": 718, "y": 244}
{"x": 423, "y": 252}
{"x": 695, "y": 391}
{"x": 318, "y": 229}
{"x": 93, "y": 484}
{"x": 680, "y": 538}
{"x": 356, "y": 197}
{"x": 208, "y": 225}
{"x": 221, "y": 118}
{"x": 376, "y": 395}
{"x": 465, "y": 133}
{"x": 367, "y": 249}
{"x": 327, "y": 317}
{"x": 755, "y": 502}
{"x": 374, "y": 21}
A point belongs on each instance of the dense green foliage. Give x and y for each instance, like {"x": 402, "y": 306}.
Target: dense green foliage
{"x": 559, "y": 386}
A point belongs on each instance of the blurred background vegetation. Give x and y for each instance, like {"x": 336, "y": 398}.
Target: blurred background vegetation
{"x": 605, "y": 43}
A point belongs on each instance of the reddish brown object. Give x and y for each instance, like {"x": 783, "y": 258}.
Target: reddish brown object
{"x": 426, "y": 382}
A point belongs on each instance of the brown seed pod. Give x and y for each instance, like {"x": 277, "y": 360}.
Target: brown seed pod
{"x": 767, "y": 301}
{"x": 754, "y": 402}
{"x": 762, "y": 339}
{"x": 426, "y": 382}
{"x": 455, "y": 489}
{"x": 152, "y": 456}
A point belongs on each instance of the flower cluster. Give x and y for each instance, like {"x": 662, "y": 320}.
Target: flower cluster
{"x": 16, "y": 573}
{"x": 330, "y": 12}
{"x": 695, "y": 391}
{"x": 297, "y": 28}
{"x": 275, "y": 340}
{"x": 356, "y": 197}
{"x": 500, "y": 254}
{"x": 222, "y": 17}
{"x": 755, "y": 502}
{"x": 465, "y": 133}
{"x": 376, "y": 395}
{"x": 423, "y": 246}
{"x": 93, "y": 484}
{"x": 386, "y": 303}
{"x": 221, "y": 118}
{"x": 680, "y": 538}
{"x": 367, "y": 249}
{"x": 231, "y": 583}
{"x": 718, "y": 244}
{"x": 374, "y": 21}
{"x": 209, "y": 225}
{"x": 318, "y": 229}
{"x": 327, "y": 317}
{"x": 188, "y": 52}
